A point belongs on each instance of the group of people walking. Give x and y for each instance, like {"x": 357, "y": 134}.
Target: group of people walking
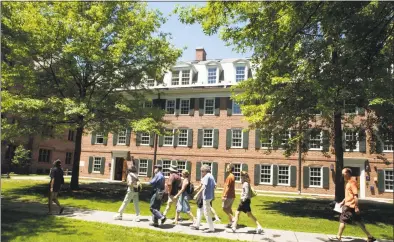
{"x": 180, "y": 191}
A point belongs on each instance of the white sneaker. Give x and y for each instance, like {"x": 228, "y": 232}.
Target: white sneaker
{"x": 118, "y": 217}
{"x": 137, "y": 219}
{"x": 259, "y": 230}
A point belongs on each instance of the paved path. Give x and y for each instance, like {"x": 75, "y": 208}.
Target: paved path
{"x": 245, "y": 234}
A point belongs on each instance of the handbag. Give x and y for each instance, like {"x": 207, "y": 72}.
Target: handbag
{"x": 253, "y": 192}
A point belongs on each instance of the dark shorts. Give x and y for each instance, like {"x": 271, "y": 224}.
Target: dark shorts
{"x": 245, "y": 206}
{"x": 349, "y": 215}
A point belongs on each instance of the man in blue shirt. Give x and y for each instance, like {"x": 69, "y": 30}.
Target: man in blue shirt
{"x": 157, "y": 183}
{"x": 208, "y": 193}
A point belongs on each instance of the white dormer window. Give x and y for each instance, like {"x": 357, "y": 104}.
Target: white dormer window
{"x": 240, "y": 73}
{"x": 212, "y": 75}
{"x": 181, "y": 77}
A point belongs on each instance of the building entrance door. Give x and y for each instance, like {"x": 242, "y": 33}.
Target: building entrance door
{"x": 119, "y": 168}
{"x": 356, "y": 173}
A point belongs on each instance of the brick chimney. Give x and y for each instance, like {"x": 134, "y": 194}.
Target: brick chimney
{"x": 201, "y": 55}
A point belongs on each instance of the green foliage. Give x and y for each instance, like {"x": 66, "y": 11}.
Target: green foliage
{"x": 21, "y": 157}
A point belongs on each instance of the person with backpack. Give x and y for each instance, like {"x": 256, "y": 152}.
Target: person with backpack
{"x": 173, "y": 185}
{"x": 183, "y": 196}
{"x": 57, "y": 180}
{"x": 244, "y": 205}
{"x": 133, "y": 189}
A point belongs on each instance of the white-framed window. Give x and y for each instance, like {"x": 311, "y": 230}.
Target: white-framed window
{"x": 175, "y": 78}
{"x": 166, "y": 166}
{"x": 315, "y": 177}
{"x": 99, "y": 138}
{"x": 169, "y": 139}
{"x": 266, "y": 174}
{"x": 185, "y": 106}
{"x": 350, "y": 108}
{"x": 236, "y": 109}
{"x": 212, "y": 75}
{"x": 268, "y": 139}
{"x": 315, "y": 141}
{"x": 150, "y": 82}
{"x": 209, "y": 106}
{"x": 145, "y": 138}
{"x": 181, "y": 167}
{"x": 170, "y": 106}
{"x": 207, "y": 138}
{"x": 69, "y": 156}
{"x": 284, "y": 175}
{"x": 236, "y": 138}
{"x": 44, "y": 155}
{"x": 182, "y": 137}
{"x": 240, "y": 73}
{"x": 388, "y": 180}
{"x": 147, "y": 104}
{"x": 285, "y": 136}
{"x": 185, "y": 77}
{"x": 143, "y": 167}
{"x": 122, "y": 137}
{"x": 97, "y": 164}
{"x": 237, "y": 172}
{"x": 351, "y": 139}
{"x": 388, "y": 144}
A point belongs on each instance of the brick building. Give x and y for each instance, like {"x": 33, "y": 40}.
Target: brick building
{"x": 208, "y": 128}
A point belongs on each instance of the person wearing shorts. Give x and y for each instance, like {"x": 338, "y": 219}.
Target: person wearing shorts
{"x": 229, "y": 194}
{"x": 57, "y": 180}
{"x": 350, "y": 210}
{"x": 244, "y": 205}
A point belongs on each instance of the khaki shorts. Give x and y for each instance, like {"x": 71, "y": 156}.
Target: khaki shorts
{"x": 227, "y": 203}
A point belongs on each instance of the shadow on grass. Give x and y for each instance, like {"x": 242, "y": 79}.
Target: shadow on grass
{"x": 371, "y": 212}
{"x": 15, "y": 224}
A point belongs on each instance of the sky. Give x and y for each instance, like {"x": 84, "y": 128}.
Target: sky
{"x": 192, "y": 36}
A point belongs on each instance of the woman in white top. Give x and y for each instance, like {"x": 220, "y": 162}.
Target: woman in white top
{"x": 244, "y": 206}
{"x": 134, "y": 187}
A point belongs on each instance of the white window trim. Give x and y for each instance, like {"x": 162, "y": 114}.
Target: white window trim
{"x": 94, "y": 159}
{"x": 180, "y": 106}
{"x": 242, "y": 139}
{"x": 384, "y": 179}
{"x": 143, "y": 143}
{"x": 164, "y": 139}
{"x": 288, "y": 138}
{"x": 217, "y": 74}
{"x": 117, "y": 142}
{"x": 232, "y": 108}
{"x": 321, "y": 177}
{"x": 151, "y": 79}
{"x": 271, "y": 174}
{"x": 181, "y": 70}
{"x": 205, "y": 102}
{"x": 285, "y": 185}
{"x": 213, "y": 138}
{"x": 139, "y": 167}
{"x": 388, "y": 151}
{"x": 239, "y": 171}
{"x": 180, "y": 170}
{"x": 187, "y": 137}
{"x": 245, "y": 73}
{"x": 101, "y": 134}
{"x": 174, "y": 106}
{"x": 144, "y": 104}
{"x": 321, "y": 142}
{"x": 357, "y": 144}
{"x": 163, "y": 167}
{"x": 266, "y": 148}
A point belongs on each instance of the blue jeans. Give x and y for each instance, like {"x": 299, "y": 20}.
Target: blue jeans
{"x": 155, "y": 208}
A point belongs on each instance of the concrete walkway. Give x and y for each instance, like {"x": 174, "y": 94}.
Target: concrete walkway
{"x": 244, "y": 234}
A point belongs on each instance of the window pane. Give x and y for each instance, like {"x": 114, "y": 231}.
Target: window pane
{"x": 388, "y": 180}
{"x": 168, "y": 139}
{"x": 236, "y": 140}
{"x": 143, "y": 167}
{"x": 170, "y": 106}
{"x": 145, "y": 138}
{"x": 211, "y": 75}
{"x": 209, "y": 106}
{"x": 97, "y": 164}
{"x": 283, "y": 175}
{"x": 315, "y": 141}
{"x": 99, "y": 138}
{"x": 175, "y": 78}
{"x": 166, "y": 165}
{"x": 236, "y": 108}
{"x": 351, "y": 140}
{"x": 388, "y": 142}
{"x": 185, "y": 106}
{"x": 182, "y": 137}
{"x": 208, "y": 138}
{"x": 266, "y": 141}
{"x": 122, "y": 137}
{"x": 185, "y": 77}
{"x": 315, "y": 176}
{"x": 150, "y": 82}
{"x": 181, "y": 167}
{"x": 237, "y": 172}
{"x": 240, "y": 73}
{"x": 68, "y": 158}
{"x": 265, "y": 174}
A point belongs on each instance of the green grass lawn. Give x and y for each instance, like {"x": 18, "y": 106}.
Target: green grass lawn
{"x": 26, "y": 227}
{"x": 296, "y": 214}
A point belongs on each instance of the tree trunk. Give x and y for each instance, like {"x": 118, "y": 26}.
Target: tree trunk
{"x": 338, "y": 145}
{"x": 77, "y": 156}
